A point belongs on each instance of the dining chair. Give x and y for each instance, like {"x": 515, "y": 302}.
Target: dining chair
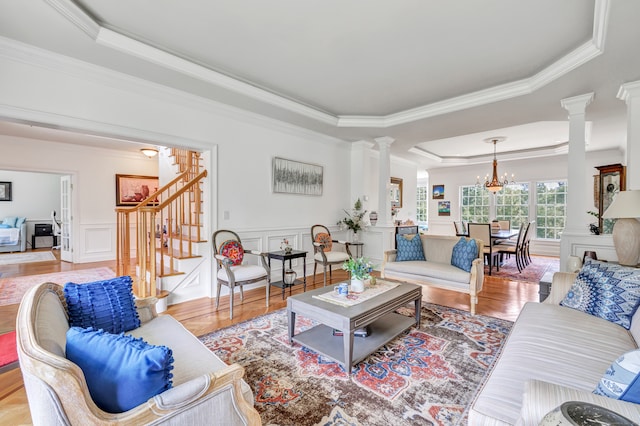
{"x": 515, "y": 248}
{"x": 324, "y": 253}
{"x": 505, "y": 225}
{"x": 459, "y": 228}
{"x": 527, "y": 242}
{"x": 232, "y": 271}
{"x": 482, "y": 231}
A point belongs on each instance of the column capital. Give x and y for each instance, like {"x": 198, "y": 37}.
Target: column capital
{"x": 362, "y": 144}
{"x": 577, "y": 104}
{"x": 384, "y": 141}
{"x": 628, "y": 91}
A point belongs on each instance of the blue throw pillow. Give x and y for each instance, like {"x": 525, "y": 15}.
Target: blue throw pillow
{"x": 622, "y": 379}
{"x": 4, "y": 226}
{"x": 607, "y": 291}
{"x": 11, "y": 221}
{"x": 121, "y": 371}
{"x": 20, "y": 221}
{"x": 409, "y": 247}
{"x": 107, "y": 305}
{"x": 464, "y": 252}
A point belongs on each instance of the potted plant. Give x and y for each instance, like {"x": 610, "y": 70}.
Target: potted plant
{"x": 354, "y": 220}
{"x": 360, "y": 269}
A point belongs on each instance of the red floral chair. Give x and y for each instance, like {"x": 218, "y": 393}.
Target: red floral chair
{"x": 232, "y": 272}
{"x": 324, "y": 253}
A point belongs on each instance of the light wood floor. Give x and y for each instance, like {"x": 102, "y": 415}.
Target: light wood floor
{"x": 499, "y": 298}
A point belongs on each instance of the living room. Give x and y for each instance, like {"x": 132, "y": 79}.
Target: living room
{"x": 106, "y": 111}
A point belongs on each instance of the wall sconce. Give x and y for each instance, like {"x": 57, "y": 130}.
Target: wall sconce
{"x": 149, "y": 152}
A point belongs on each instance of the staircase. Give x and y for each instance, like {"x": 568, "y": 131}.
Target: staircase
{"x": 164, "y": 228}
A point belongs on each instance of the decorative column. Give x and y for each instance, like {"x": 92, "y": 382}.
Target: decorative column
{"x": 576, "y": 216}
{"x": 359, "y": 171}
{"x": 384, "y": 180}
{"x": 630, "y": 94}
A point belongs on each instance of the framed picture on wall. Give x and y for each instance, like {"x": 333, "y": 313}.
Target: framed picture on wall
{"x": 438, "y": 192}
{"x": 295, "y": 177}
{"x": 444, "y": 208}
{"x": 5, "y": 191}
{"x": 131, "y": 189}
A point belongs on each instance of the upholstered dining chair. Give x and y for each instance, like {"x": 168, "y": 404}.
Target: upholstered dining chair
{"x": 232, "y": 271}
{"x": 324, "y": 253}
{"x": 482, "y": 231}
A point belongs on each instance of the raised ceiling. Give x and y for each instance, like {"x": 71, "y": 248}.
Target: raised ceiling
{"x": 439, "y": 77}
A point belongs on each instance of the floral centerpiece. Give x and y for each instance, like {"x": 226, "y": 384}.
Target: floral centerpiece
{"x": 354, "y": 220}
{"x": 360, "y": 269}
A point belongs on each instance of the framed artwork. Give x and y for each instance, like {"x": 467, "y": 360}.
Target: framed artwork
{"x": 444, "y": 208}
{"x": 5, "y": 191}
{"x": 438, "y": 192}
{"x": 131, "y": 189}
{"x": 294, "y": 177}
{"x": 396, "y": 192}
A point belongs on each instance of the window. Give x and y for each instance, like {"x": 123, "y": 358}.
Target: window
{"x": 474, "y": 204}
{"x": 421, "y": 204}
{"x": 551, "y": 206}
{"x": 512, "y": 204}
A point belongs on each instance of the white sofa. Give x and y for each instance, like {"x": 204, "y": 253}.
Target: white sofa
{"x": 552, "y": 355}
{"x": 436, "y": 270}
{"x": 20, "y": 245}
{"x": 205, "y": 389}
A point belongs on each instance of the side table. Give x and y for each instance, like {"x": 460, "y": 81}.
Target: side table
{"x": 358, "y": 245}
{"x": 545, "y": 285}
{"x": 294, "y": 254}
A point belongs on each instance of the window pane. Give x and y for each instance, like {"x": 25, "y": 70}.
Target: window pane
{"x": 550, "y": 208}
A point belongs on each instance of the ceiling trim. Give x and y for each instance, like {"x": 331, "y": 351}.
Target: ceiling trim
{"x": 522, "y": 154}
{"x": 117, "y": 41}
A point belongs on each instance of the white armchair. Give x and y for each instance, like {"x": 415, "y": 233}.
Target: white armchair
{"x": 323, "y": 252}
{"x": 232, "y": 272}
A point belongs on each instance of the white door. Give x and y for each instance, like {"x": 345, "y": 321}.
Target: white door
{"x": 66, "y": 250}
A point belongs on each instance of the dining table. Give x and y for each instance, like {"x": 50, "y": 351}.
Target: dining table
{"x": 498, "y": 235}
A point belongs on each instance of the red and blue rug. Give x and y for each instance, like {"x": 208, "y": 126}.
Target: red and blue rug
{"x": 426, "y": 376}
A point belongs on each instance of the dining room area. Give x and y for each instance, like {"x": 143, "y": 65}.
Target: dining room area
{"x": 502, "y": 242}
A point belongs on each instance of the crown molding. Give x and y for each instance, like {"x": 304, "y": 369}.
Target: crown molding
{"x": 34, "y": 56}
{"x": 114, "y": 40}
{"x": 628, "y": 91}
{"x": 522, "y": 154}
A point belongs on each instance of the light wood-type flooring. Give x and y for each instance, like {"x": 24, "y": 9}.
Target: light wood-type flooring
{"x": 499, "y": 298}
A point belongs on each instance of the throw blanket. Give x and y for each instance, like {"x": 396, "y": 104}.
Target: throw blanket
{"x": 9, "y": 236}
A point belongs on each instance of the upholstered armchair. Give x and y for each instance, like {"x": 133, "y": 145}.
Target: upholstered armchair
{"x": 232, "y": 271}
{"x": 324, "y": 253}
{"x": 205, "y": 391}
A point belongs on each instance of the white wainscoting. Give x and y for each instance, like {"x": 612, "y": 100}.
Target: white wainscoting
{"x": 97, "y": 243}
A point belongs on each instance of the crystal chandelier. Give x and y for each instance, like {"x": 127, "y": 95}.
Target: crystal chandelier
{"x": 496, "y": 183}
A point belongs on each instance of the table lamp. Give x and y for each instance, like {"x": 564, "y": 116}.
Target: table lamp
{"x": 626, "y": 232}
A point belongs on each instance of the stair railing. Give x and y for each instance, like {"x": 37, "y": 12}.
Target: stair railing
{"x": 165, "y": 224}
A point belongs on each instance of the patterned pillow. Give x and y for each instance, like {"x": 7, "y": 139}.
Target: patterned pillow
{"x": 233, "y": 250}
{"x": 622, "y": 378}
{"x": 107, "y": 305}
{"x": 606, "y": 290}
{"x": 464, "y": 252}
{"x": 324, "y": 239}
{"x": 409, "y": 247}
{"x": 121, "y": 371}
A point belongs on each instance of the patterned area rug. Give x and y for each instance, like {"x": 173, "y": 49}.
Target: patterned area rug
{"x": 427, "y": 376}
{"x": 13, "y": 288}
{"x": 37, "y": 256}
{"x": 532, "y": 273}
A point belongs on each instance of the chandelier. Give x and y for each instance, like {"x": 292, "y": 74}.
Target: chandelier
{"x": 496, "y": 183}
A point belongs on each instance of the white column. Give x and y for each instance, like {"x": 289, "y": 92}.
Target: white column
{"x": 630, "y": 93}
{"x": 576, "y": 216}
{"x": 384, "y": 180}
{"x": 359, "y": 159}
